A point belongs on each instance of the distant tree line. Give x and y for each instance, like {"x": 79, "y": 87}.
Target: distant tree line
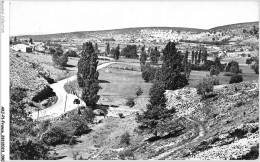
{"x": 213, "y": 42}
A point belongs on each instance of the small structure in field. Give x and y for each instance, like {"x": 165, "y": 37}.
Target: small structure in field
{"x": 22, "y": 48}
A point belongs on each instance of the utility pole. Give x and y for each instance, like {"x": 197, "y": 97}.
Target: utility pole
{"x": 65, "y": 103}
{"x": 66, "y": 97}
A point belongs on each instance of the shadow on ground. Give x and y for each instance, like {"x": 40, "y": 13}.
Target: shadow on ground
{"x": 171, "y": 135}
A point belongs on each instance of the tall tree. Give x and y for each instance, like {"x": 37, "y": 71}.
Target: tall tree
{"x": 196, "y": 57}
{"x": 31, "y": 41}
{"x": 88, "y": 75}
{"x": 130, "y": 51}
{"x": 116, "y": 52}
{"x": 205, "y": 53}
{"x": 107, "y": 49}
{"x": 154, "y": 56}
{"x": 172, "y": 68}
{"x": 156, "y": 119}
{"x": 186, "y": 64}
{"x": 96, "y": 48}
{"x": 192, "y": 57}
{"x": 143, "y": 57}
{"x": 15, "y": 39}
{"x": 199, "y": 56}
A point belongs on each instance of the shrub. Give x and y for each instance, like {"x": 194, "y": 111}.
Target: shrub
{"x": 239, "y": 103}
{"x": 215, "y": 81}
{"x": 28, "y": 150}
{"x": 214, "y": 71}
{"x": 130, "y": 102}
{"x": 138, "y": 91}
{"x": 126, "y": 154}
{"x": 74, "y": 124}
{"x": 59, "y": 58}
{"x": 146, "y": 75}
{"x": 125, "y": 139}
{"x": 248, "y": 61}
{"x": 232, "y": 64}
{"x": 56, "y": 135}
{"x": 204, "y": 86}
{"x": 121, "y": 115}
{"x": 236, "y": 79}
{"x": 234, "y": 69}
{"x": 71, "y": 53}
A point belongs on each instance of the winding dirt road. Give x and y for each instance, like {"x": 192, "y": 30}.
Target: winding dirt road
{"x": 168, "y": 152}
{"x": 65, "y": 100}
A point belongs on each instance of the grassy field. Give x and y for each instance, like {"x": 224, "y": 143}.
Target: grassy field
{"x": 115, "y": 81}
{"x": 248, "y": 75}
{"x": 240, "y": 60}
{"x": 121, "y": 82}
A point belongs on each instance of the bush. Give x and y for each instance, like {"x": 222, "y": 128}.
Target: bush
{"x": 130, "y": 51}
{"x": 234, "y": 69}
{"x": 146, "y": 75}
{"x": 121, "y": 115}
{"x": 130, "y": 102}
{"x": 204, "y": 86}
{"x": 126, "y": 154}
{"x": 71, "y": 53}
{"x": 125, "y": 139}
{"x": 59, "y": 58}
{"x": 215, "y": 81}
{"x": 28, "y": 150}
{"x": 75, "y": 124}
{"x": 248, "y": 61}
{"x": 214, "y": 71}
{"x": 56, "y": 135}
{"x": 239, "y": 103}
{"x": 233, "y": 64}
{"x": 138, "y": 91}
{"x": 236, "y": 79}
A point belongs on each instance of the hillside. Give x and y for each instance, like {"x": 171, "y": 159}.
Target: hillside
{"x": 223, "y": 127}
{"x": 105, "y": 33}
{"x": 235, "y": 28}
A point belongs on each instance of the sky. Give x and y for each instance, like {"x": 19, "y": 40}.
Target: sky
{"x": 46, "y": 17}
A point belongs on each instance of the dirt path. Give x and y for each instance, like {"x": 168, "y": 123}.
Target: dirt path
{"x": 201, "y": 134}
{"x": 65, "y": 100}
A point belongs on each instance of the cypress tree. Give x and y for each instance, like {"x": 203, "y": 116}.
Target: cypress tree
{"x": 196, "y": 57}
{"x": 88, "y": 75}
{"x": 154, "y": 56}
{"x": 107, "y": 49}
{"x": 116, "y": 52}
{"x": 199, "y": 56}
{"x": 96, "y": 48}
{"x": 192, "y": 57}
{"x": 143, "y": 57}
{"x": 205, "y": 55}
{"x": 172, "y": 68}
{"x": 156, "y": 118}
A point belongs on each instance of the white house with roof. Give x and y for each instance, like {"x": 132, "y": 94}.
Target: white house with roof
{"x": 22, "y": 48}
